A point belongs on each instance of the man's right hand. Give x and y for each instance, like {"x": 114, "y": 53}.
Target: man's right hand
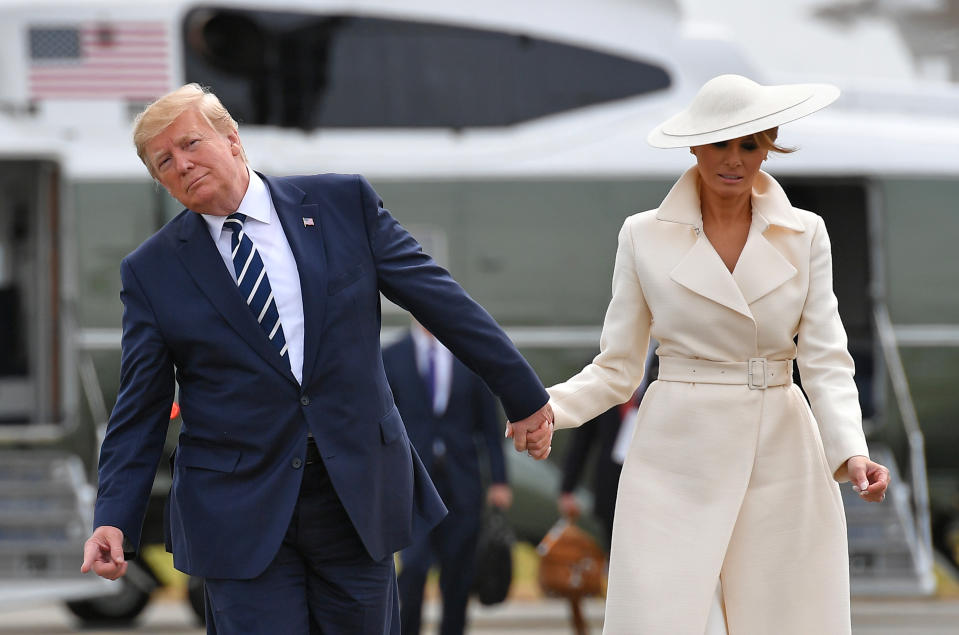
{"x": 103, "y": 553}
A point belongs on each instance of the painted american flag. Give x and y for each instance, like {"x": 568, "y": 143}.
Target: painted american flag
{"x": 102, "y": 60}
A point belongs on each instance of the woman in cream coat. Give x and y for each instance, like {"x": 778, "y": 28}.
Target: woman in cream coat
{"x": 729, "y": 517}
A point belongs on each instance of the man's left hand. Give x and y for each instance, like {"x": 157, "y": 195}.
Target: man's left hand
{"x": 534, "y": 434}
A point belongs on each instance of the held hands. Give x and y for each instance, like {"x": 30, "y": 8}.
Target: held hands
{"x": 103, "y": 553}
{"x": 869, "y": 479}
{"x": 534, "y": 434}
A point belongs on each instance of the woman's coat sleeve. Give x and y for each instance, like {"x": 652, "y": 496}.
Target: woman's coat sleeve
{"x": 615, "y": 373}
{"x": 824, "y": 362}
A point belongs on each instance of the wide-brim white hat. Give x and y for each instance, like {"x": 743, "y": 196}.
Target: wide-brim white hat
{"x": 732, "y": 106}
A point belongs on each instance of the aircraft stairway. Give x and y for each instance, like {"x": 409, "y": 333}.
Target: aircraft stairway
{"x": 45, "y": 517}
{"x": 886, "y": 555}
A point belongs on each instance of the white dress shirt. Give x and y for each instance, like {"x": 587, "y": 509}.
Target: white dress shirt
{"x": 442, "y": 367}
{"x": 264, "y": 229}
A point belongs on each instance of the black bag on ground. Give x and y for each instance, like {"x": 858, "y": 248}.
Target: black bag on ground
{"x": 494, "y": 557}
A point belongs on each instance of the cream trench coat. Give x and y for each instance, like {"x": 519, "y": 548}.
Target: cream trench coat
{"x": 721, "y": 481}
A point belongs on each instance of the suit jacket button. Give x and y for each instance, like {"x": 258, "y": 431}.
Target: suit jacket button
{"x": 305, "y": 400}
{"x": 296, "y": 463}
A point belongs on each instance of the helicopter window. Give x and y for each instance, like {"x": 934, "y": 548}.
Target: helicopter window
{"x": 308, "y": 71}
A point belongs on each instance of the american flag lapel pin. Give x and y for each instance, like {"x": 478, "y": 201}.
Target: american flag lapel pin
{"x": 307, "y": 221}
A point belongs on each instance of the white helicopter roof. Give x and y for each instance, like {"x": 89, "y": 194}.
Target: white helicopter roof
{"x": 884, "y": 123}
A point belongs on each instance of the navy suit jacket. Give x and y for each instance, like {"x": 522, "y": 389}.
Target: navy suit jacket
{"x": 245, "y": 418}
{"x": 470, "y": 414}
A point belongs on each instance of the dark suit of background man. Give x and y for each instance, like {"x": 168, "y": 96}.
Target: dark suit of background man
{"x": 446, "y": 408}
{"x": 292, "y": 536}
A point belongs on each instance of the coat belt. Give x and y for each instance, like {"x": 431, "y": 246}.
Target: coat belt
{"x": 758, "y": 373}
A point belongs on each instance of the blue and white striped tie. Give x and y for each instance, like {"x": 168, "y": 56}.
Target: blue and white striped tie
{"x": 254, "y": 284}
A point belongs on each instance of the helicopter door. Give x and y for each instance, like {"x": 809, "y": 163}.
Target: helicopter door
{"x": 30, "y": 361}
{"x": 842, "y": 204}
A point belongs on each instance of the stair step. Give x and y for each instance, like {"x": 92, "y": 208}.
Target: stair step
{"x": 38, "y": 535}
{"x": 879, "y": 533}
{"x": 38, "y": 466}
{"x": 34, "y": 488}
{"x": 26, "y": 507}
{"x": 45, "y": 514}
{"x": 43, "y": 561}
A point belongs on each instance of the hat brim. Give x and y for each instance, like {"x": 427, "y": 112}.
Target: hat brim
{"x": 820, "y": 96}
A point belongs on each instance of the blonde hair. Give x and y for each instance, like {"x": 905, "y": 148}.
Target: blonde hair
{"x": 157, "y": 116}
{"x": 766, "y": 140}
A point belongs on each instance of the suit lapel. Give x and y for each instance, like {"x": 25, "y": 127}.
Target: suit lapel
{"x": 203, "y": 261}
{"x": 761, "y": 267}
{"x": 702, "y": 271}
{"x": 309, "y": 251}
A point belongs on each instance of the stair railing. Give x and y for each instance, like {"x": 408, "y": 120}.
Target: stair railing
{"x": 914, "y": 438}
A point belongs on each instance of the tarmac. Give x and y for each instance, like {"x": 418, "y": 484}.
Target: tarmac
{"x": 167, "y": 616}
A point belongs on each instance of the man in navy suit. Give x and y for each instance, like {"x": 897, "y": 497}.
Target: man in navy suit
{"x": 294, "y": 479}
{"x": 446, "y": 408}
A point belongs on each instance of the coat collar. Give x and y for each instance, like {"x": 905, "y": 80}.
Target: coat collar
{"x": 769, "y": 200}
{"x": 761, "y": 267}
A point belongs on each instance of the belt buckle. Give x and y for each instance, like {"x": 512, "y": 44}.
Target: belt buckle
{"x": 751, "y": 372}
